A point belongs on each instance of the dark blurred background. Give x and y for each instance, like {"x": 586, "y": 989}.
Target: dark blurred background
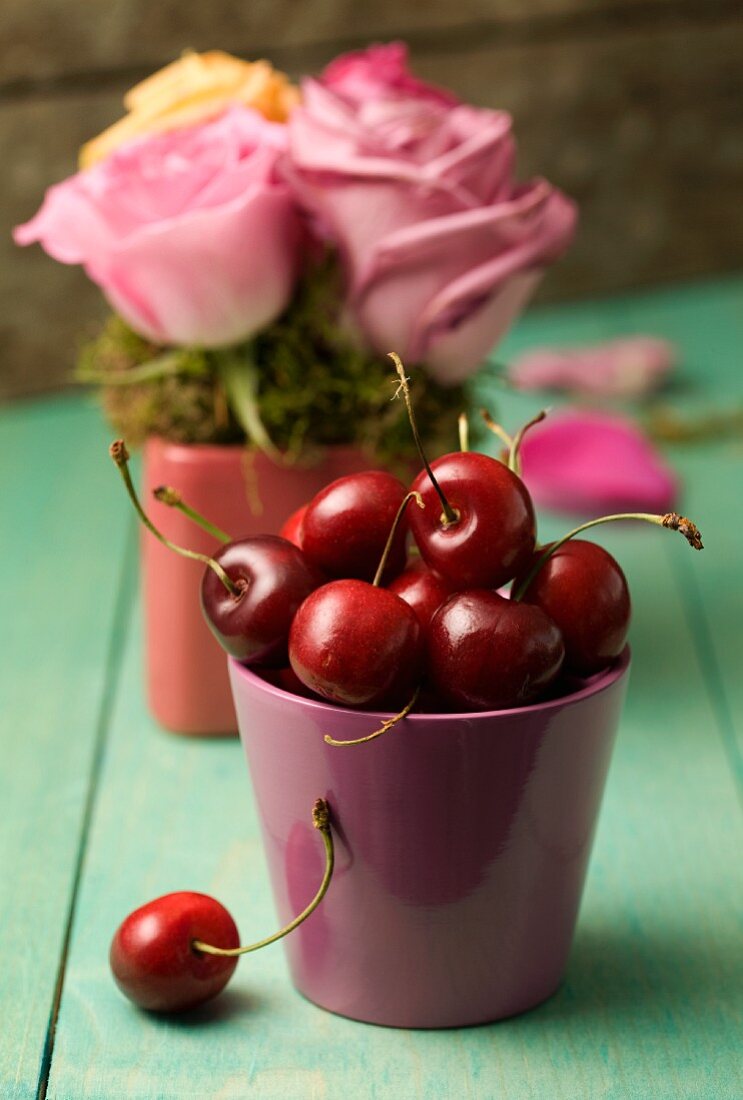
{"x": 632, "y": 106}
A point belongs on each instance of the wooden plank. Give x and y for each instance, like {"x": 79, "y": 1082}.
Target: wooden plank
{"x": 62, "y": 547}
{"x": 651, "y": 1005}
{"x": 715, "y": 601}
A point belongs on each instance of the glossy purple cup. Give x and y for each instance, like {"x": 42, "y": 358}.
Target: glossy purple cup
{"x": 461, "y": 847}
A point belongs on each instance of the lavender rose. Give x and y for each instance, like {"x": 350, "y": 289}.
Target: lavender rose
{"x": 191, "y": 235}
{"x": 442, "y": 247}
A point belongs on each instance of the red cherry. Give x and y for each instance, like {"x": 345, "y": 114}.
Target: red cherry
{"x": 493, "y": 536}
{"x": 356, "y": 644}
{"x": 273, "y": 578}
{"x": 153, "y": 960}
{"x": 292, "y": 529}
{"x": 489, "y": 653}
{"x": 583, "y": 589}
{"x": 423, "y": 589}
{"x": 346, "y": 525}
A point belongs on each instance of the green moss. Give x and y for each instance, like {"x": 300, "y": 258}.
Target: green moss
{"x": 315, "y": 387}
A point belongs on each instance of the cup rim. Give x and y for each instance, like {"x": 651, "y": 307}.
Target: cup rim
{"x": 598, "y": 683}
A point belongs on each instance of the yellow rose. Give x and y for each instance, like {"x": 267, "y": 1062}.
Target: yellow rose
{"x": 197, "y": 87}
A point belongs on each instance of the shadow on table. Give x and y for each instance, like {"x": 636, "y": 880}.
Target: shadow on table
{"x": 621, "y": 972}
{"x": 231, "y": 1003}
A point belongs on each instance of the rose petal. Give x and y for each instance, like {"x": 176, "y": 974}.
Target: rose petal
{"x": 381, "y": 70}
{"x": 445, "y": 290}
{"x": 627, "y": 367}
{"x": 595, "y": 463}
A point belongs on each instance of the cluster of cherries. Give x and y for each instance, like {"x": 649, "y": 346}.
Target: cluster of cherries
{"x": 334, "y": 603}
{"x": 335, "y": 608}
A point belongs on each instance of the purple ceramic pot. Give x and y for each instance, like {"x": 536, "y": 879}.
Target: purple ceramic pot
{"x": 461, "y": 847}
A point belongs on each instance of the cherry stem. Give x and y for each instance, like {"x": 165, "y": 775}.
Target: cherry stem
{"x": 496, "y": 429}
{"x": 166, "y": 494}
{"x": 514, "y": 461}
{"x": 386, "y": 725}
{"x": 412, "y": 495}
{"x": 450, "y": 515}
{"x": 672, "y": 520}
{"x": 120, "y": 455}
{"x": 512, "y": 442}
{"x": 464, "y": 433}
{"x": 321, "y": 821}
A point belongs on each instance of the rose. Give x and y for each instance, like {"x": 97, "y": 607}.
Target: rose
{"x": 191, "y": 235}
{"x": 441, "y": 246}
{"x": 193, "y": 89}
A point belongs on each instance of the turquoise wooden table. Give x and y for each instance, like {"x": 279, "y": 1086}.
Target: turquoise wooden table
{"x": 100, "y": 810}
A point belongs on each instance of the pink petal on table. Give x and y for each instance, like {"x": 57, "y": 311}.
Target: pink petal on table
{"x": 595, "y": 463}
{"x": 627, "y": 367}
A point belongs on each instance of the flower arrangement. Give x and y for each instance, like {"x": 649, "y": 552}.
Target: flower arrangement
{"x": 264, "y": 245}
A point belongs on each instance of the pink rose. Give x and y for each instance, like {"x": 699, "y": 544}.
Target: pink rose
{"x": 191, "y": 235}
{"x": 442, "y": 247}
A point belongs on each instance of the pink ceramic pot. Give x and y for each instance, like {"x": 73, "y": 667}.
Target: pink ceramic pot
{"x": 462, "y": 845}
{"x": 187, "y": 685}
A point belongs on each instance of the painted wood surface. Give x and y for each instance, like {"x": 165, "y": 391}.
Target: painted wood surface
{"x": 62, "y": 547}
{"x": 651, "y": 1006}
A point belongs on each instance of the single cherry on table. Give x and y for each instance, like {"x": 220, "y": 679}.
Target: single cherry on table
{"x": 181, "y": 949}
{"x": 152, "y": 956}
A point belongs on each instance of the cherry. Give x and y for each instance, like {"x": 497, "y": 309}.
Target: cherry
{"x": 489, "y": 653}
{"x": 583, "y": 589}
{"x": 586, "y": 592}
{"x": 423, "y": 589}
{"x": 356, "y": 644}
{"x": 181, "y": 949}
{"x": 478, "y": 526}
{"x": 491, "y": 537}
{"x": 345, "y": 526}
{"x": 292, "y": 529}
{"x": 152, "y": 955}
{"x": 250, "y": 589}
{"x": 272, "y": 578}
